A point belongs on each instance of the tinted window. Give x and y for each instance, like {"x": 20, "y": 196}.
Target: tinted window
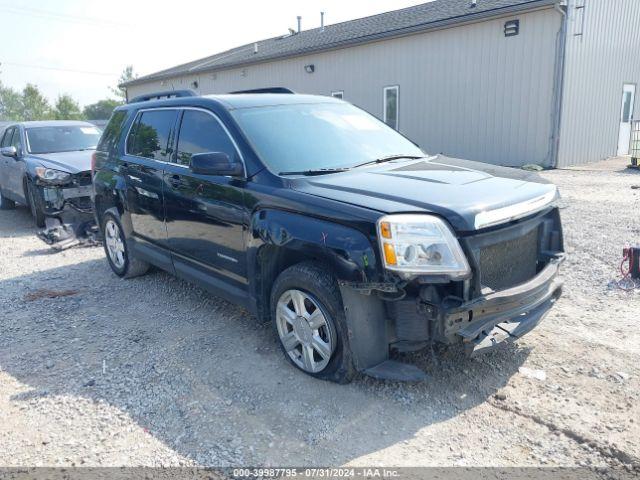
{"x": 200, "y": 133}
{"x": 152, "y": 133}
{"x": 16, "y": 140}
{"x": 308, "y": 137}
{"x": 62, "y": 139}
{"x": 111, "y": 134}
{"x": 6, "y": 139}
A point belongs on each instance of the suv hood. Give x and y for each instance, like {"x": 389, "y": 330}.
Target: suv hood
{"x": 70, "y": 162}
{"x": 470, "y": 195}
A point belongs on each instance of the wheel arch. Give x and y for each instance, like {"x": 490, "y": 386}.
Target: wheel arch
{"x": 282, "y": 239}
{"x": 26, "y": 178}
{"x": 109, "y": 197}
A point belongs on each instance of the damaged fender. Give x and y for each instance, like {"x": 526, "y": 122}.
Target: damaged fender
{"x": 351, "y": 256}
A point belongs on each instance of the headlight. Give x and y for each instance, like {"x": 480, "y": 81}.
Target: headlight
{"x": 421, "y": 244}
{"x": 49, "y": 175}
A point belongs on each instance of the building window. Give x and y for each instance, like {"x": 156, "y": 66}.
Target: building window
{"x": 339, "y": 94}
{"x": 391, "y": 106}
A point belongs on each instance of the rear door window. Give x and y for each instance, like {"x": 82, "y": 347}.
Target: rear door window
{"x": 152, "y": 135}
{"x": 201, "y": 132}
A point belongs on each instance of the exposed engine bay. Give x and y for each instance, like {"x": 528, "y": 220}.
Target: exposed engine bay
{"x": 68, "y": 211}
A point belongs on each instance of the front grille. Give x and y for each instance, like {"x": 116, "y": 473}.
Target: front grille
{"x": 508, "y": 264}
{"x": 82, "y": 179}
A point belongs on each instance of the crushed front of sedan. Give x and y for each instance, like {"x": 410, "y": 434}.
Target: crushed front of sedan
{"x": 68, "y": 212}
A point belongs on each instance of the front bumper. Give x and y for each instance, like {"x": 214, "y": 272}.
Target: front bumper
{"x": 504, "y": 316}
{"x": 479, "y": 324}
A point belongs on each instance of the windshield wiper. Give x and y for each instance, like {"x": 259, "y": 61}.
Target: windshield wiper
{"x": 319, "y": 171}
{"x": 388, "y": 158}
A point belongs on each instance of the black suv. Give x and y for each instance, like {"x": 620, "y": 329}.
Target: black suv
{"x": 314, "y": 214}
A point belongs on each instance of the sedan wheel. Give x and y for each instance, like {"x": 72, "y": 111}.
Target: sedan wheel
{"x": 35, "y": 207}
{"x": 304, "y": 331}
{"x": 114, "y": 244}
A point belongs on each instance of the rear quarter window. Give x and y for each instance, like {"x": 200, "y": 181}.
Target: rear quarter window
{"x": 6, "y": 137}
{"x": 111, "y": 135}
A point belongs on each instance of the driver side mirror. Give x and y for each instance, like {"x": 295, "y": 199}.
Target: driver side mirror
{"x": 216, "y": 163}
{"x": 9, "y": 152}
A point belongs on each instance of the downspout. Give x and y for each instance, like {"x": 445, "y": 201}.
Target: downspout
{"x": 558, "y": 84}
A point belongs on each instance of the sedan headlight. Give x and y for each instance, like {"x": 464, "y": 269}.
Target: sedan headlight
{"x": 422, "y": 245}
{"x": 49, "y": 175}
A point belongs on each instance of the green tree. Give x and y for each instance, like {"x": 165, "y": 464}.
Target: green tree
{"x": 35, "y": 105}
{"x": 101, "y": 110}
{"x": 147, "y": 142}
{"x": 11, "y": 107}
{"x": 126, "y": 76}
{"x": 66, "y": 108}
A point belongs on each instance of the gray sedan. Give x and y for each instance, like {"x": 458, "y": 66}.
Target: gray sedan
{"x": 47, "y": 167}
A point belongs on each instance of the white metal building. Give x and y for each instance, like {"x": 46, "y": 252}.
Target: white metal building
{"x": 510, "y": 82}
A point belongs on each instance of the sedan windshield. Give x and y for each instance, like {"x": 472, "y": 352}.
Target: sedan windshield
{"x": 62, "y": 138}
{"x": 320, "y": 137}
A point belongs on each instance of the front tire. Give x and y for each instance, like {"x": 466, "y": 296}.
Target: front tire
{"x": 309, "y": 321}
{"x": 35, "y": 206}
{"x": 5, "y": 203}
{"x": 115, "y": 247}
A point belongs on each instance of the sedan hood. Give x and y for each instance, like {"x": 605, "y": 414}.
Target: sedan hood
{"x": 71, "y": 162}
{"x": 470, "y": 195}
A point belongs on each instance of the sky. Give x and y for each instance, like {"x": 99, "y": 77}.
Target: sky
{"x": 80, "y": 47}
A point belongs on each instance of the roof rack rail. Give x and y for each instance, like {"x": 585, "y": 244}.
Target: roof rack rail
{"x": 265, "y": 90}
{"x": 163, "y": 95}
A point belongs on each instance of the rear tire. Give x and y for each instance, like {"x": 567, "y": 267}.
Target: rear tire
{"x": 5, "y": 203}
{"x": 309, "y": 321}
{"x": 35, "y": 206}
{"x": 117, "y": 251}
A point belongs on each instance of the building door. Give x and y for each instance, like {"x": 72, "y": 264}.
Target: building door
{"x": 626, "y": 118}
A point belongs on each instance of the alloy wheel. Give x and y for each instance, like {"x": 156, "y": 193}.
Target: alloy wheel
{"x": 304, "y": 331}
{"x": 115, "y": 244}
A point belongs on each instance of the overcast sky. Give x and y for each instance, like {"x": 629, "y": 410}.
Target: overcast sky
{"x": 81, "y": 46}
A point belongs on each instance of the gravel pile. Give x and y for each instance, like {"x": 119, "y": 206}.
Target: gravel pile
{"x": 156, "y": 372}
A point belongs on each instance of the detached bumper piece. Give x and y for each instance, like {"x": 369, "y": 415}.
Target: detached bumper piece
{"x": 508, "y": 331}
{"x": 69, "y": 219}
{"x": 62, "y": 236}
{"x": 508, "y": 315}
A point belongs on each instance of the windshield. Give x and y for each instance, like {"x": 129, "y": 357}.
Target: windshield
{"x": 319, "y": 136}
{"x": 62, "y": 138}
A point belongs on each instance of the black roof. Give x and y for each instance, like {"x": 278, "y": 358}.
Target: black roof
{"x": 232, "y": 101}
{"x": 396, "y": 23}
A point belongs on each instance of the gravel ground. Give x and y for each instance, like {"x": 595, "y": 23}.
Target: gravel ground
{"x": 155, "y": 372}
